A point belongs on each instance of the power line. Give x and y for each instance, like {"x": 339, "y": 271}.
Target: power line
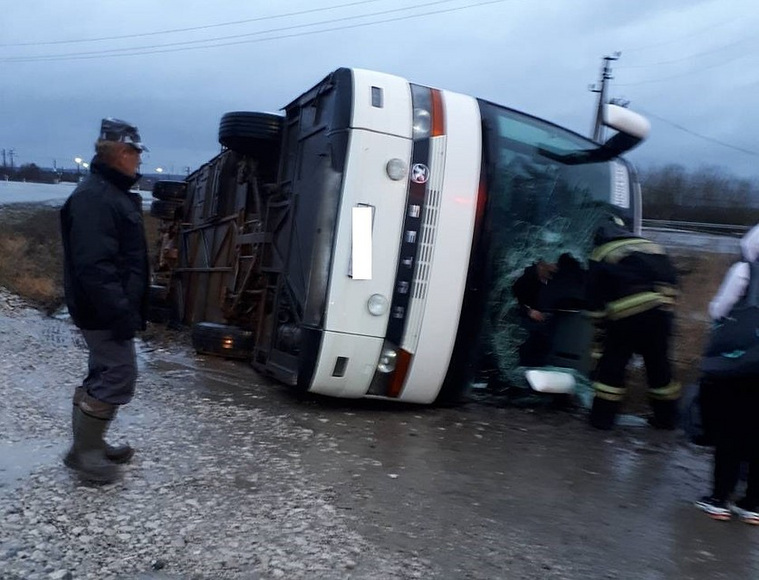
{"x": 699, "y": 135}
{"x": 189, "y": 29}
{"x": 697, "y": 55}
{"x": 686, "y": 73}
{"x": 709, "y": 28}
{"x": 191, "y": 44}
{"x": 181, "y": 46}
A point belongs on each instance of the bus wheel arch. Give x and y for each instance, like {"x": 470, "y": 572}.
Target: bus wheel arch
{"x": 222, "y": 340}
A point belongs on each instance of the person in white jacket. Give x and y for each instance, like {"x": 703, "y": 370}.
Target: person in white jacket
{"x": 734, "y": 408}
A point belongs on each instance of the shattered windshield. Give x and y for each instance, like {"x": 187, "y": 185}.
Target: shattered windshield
{"x": 541, "y": 212}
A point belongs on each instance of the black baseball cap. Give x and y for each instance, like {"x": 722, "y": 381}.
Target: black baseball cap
{"x": 122, "y": 132}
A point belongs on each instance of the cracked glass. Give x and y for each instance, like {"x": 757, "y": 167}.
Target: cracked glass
{"x": 544, "y": 202}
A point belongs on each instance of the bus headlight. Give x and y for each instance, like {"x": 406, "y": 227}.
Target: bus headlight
{"x": 377, "y": 304}
{"x": 387, "y": 360}
{"x": 396, "y": 169}
{"x": 422, "y": 123}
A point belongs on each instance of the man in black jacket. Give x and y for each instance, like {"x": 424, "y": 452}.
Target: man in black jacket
{"x": 632, "y": 285}
{"x": 529, "y": 289}
{"x": 106, "y": 278}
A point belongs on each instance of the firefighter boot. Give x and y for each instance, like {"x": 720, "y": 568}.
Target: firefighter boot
{"x": 603, "y": 413}
{"x": 115, "y": 453}
{"x": 666, "y": 414}
{"x": 87, "y": 454}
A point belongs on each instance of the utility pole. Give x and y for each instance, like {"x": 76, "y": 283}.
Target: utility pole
{"x": 3, "y": 158}
{"x": 11, "y": 153}
{"x": 598, "y": 127}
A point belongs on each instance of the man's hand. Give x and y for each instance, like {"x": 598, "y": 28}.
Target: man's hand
{"x": 536, "y": 315}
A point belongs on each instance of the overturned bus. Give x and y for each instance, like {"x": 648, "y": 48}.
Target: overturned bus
{"x": 364, "y": 243}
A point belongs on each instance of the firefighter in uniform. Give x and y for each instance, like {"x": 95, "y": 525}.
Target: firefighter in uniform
{"x": 632, "y": 289}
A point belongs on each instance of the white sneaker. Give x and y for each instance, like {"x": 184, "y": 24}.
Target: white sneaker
{"x": 748, "y": 514}
{"x": 716, "y": 509}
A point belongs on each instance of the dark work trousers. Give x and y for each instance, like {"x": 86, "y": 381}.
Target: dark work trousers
{"x": 112, "y": 367}
{"x": 646, "y": 334}
{"x": 735, "y": 408}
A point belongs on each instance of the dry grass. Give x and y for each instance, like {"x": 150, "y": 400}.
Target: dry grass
{"x": 31, "y": 255}
{"x": 700, "y": 278}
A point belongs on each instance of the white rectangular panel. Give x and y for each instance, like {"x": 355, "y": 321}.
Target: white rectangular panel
{"x": 361, "y": 243}
{"x": 620, "y": 185}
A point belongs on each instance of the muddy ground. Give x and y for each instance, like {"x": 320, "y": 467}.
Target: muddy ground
{"x": 237, "y": 477}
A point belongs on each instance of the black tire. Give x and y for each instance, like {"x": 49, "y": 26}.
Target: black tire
{"x": 157, "y": 294}
{"x": 165, "y": 209}
{"x": 254, "y": 134}
{"x": 170, "y": 190}
{"x": 222, "y": 340}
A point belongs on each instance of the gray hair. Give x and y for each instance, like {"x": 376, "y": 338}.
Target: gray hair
{"x": 108, "y": 151}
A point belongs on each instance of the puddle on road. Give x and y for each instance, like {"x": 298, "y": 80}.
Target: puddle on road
{"x": 18, "y": 459}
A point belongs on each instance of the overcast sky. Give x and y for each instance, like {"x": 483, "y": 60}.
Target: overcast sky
{"x": 691, "y": 66}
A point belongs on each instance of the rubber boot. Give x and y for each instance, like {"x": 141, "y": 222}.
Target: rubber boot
{"x": 87, "y": 454}
{"x": 666, "y": 414}
{"x": 117, "y": 454}
{"x": 603, "y": 413}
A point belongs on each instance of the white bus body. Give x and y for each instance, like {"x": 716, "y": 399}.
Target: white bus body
{"x": 393, "y": 208}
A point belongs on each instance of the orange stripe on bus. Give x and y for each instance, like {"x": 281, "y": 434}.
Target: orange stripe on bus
{"x": 438, "y": 113}
{"x": 399, "y": 376}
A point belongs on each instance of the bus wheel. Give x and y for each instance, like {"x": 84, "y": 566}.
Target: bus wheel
{"x": 222, "y": 340}
{"x": 255, "y": 134}
{"x": 165, "y": 209}
{"x": 170, "y": 190}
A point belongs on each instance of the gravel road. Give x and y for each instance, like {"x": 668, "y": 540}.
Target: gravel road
{"x": 215, "y": 490}
{"x": 237, "y": 478}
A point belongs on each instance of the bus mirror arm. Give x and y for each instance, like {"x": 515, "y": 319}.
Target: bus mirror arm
{"x": 631, "y": 128}
{"x": 618, "y": 144}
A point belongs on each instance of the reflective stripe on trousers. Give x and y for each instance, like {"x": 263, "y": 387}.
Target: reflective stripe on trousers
{"x": 670, "y": 392}
{"x": 608, "y": 392}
